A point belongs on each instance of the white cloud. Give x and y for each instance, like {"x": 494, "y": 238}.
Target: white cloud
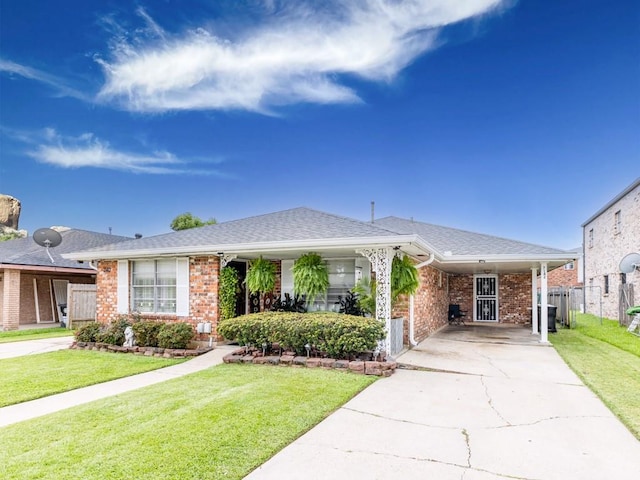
{"x": 7, "y": 66}
{"x": 299, "y": 53}
{"x": 87, "y": 150}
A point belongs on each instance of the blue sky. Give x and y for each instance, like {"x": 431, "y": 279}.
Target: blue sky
{"x": 512, "y": 118}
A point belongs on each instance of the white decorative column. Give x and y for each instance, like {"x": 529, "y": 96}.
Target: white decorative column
{"x": 381, "y": 259}
{"x": 544, "y": 311}
{"x": 534, "y": 300}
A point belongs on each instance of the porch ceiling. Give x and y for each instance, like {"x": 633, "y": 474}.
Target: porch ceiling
{"x": 497, "y": 266}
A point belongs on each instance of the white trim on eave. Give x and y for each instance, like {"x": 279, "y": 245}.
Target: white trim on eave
{"x": 257, "y": 248}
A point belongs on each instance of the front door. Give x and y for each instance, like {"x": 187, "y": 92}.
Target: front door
{"x": 485, "y": 293}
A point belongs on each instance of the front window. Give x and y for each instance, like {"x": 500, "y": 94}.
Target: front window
{"x": 617, "y": 225}
{"x": 591, "y": 238}
{"x": 606, "y": 284}
{"x": 153, "y": 286}
{"x": 342, "y": 278}
{"x": 569, "y": 266}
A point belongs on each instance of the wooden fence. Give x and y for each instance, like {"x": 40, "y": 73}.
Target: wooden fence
{"x": 81, "y": 304}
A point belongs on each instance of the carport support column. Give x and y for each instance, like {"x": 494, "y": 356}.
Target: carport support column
{"x": 11, "y": 300}
{"x": 544, "y": 311}
{"x": 381, "y": 259}
{"x": 534, "y": 300}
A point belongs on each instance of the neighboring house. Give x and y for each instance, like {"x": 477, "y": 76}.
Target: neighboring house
{"x": 32, "y": 287}
{"x": 175, "y": 276}
{"x": 568, "y": 275}
{"x": 610, "y": 234}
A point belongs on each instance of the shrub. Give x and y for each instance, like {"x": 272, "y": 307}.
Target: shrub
{"x": 113, "y": 334}
{"x": 88, "y": 332}
{"x": 146, "y": 333}
{"x": 175, "y": 335}
{"x": 336, "y": 335}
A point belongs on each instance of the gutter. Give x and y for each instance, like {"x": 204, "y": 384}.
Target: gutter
{"x": 412, "y": 339}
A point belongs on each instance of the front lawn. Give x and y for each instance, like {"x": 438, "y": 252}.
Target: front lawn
{"x": 610, "y": 372}
{"x": 34, "y": 334}
{"x": 35, "y": 376}
{"x": 609, "y": 331}
{"x": 220, "y": 423}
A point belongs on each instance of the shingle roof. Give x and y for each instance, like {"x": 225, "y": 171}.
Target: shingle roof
{"x": 462, "y": 242}
{"x": 289, "y": 225}
{"x": 308, "y": 225}
{"x": 25, "y": 251}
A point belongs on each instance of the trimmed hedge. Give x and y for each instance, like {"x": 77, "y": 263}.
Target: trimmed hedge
{"x": 339, "y": 336}
{"x": 147, "y": 333}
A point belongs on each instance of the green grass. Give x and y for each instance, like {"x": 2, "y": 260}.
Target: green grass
{"x": 220, "y": 423}
{"x": 612, "y": 373}
{"x": 35, "y": 376}
{"x": 34, "y": 334}
{"x": 610, "y": 331}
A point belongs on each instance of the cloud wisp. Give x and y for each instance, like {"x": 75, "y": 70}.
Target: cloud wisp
{"x": 299, "y": 53}
{"x": 62, "y": 89}
{"x": 89, "y": 151}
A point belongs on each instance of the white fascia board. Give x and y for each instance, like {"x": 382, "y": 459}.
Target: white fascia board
{"x": 265, "y": 247}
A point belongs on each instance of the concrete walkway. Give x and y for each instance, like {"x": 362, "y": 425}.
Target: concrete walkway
{"x": 497, "y": 405}
{"x": 36, "y": 408}
{"x": 31, "y": 347}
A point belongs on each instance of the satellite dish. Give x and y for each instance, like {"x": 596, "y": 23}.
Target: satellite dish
{"x": 630, "y": 263}
{"x": 48, "y": 238}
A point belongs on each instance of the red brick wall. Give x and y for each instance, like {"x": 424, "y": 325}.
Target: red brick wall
{"x": 559, "y": 277}
{"x": 514, "y": 296}
{"x": 107, "y": 291}
{"x": 514, "y": 300}
{"x": 430, "y": 305}
{"x": 461, "y": 293}
{"x": 203, "y": 294}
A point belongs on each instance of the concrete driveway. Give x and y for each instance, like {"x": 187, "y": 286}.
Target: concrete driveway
{"x": 482, "y": 402}
{"x": 32, "y": 347}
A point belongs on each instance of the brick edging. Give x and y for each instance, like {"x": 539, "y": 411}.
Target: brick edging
{"x": 146, "y": 351}
{"x": 381, "y": 369}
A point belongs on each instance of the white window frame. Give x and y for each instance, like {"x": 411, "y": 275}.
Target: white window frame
{"x": 617, "y": 224}
{"x": 125, "y": 290}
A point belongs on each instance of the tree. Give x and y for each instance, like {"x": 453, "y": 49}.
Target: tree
{"x": 186, "y": 221}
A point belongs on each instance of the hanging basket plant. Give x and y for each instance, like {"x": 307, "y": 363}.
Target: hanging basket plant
{"x": 227, "y": 292}
{"x": 310, "y": 276}
{"x": 404, "y": 277}
{"x": 261, "y": 277}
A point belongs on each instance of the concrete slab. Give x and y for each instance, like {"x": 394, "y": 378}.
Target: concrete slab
{"x": 31, "y": 347}
{"x": 500, "y": 405}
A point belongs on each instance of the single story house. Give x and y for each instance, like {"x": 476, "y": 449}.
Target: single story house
{"x": 33, "y": 285}
{"x": 174, "y": 277}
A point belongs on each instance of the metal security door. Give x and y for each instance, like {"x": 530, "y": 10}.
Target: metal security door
{"x": 485, "y": 293}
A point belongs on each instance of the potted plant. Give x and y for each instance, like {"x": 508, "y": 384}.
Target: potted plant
{"x": 310, "y": 276}
{"x": 261, "y": 277}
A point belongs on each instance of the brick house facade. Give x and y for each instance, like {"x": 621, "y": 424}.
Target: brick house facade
{"x": 282, "y": 237}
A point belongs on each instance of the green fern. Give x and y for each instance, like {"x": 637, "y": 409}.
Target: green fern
{"x": 404, "y": 277}
{"x": 310, "y": 276}
{"x": 261, "y": 277}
